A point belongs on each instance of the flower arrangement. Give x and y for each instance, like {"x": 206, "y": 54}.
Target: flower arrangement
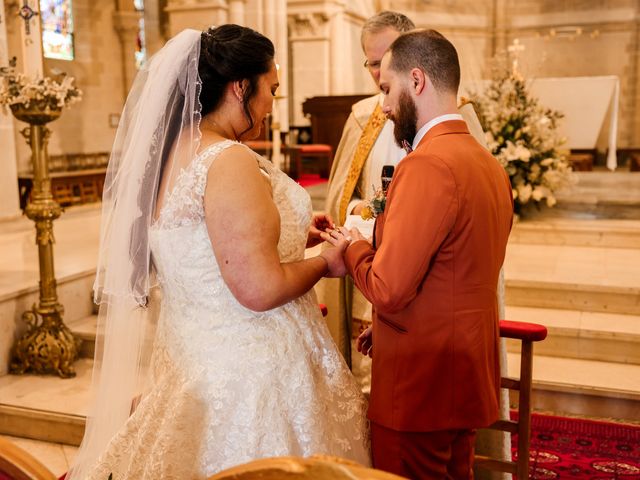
{"x": 375, "y": 206}
{"x": 523, "y": 136}
{"x": 47, "y": 94}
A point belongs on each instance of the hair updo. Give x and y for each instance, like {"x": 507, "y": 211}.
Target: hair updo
{"x": 230, "y": 53}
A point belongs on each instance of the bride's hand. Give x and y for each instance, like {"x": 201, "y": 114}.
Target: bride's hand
{"x": 340, "y": 239}
{"x": 321, "y": 222}
{"x": 364, "y": 342}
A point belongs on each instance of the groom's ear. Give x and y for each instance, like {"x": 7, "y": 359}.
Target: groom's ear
{"x": 418, "y": 80}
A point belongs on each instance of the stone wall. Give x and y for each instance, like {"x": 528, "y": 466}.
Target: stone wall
{"x": 324, "y": 56}
{"x": 583, "y": 38}
{"x": 97, "y": 68}
{"x": 608, "y": 44}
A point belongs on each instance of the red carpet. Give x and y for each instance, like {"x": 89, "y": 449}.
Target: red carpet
{"x": 563, "y": 448}
{"x": 310, "y": 179}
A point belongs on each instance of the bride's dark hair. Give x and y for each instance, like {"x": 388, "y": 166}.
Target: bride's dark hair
{"x": 229, "y": 53}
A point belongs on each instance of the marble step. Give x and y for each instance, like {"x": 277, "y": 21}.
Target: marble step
{"x": 85, "y": 330}
{"x": 568, "y": 386}
{"x": 54, "y": 409}
{"x": 594, "y": 233}
{"x": 74, "y": 293}
{"x": 75, "y": 252}
{"x": 594, "y": 279}
{"x": 595, "y": 195}
{"x": 46, "y": 408}
{"x": 608, "y": 182}
{"x": 582, "y": 335}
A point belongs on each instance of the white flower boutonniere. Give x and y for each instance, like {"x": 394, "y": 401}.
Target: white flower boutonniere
{"x": 376, "y": 205}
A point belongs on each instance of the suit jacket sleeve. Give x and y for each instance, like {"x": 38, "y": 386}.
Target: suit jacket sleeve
{"x": 421, "y": 211}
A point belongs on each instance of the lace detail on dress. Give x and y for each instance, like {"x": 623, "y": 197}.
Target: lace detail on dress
{"x": 184, "y": 204}
{"x": 229, "y": 384}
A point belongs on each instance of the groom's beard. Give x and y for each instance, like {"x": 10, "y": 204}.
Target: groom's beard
{"x": 405, "y": 120}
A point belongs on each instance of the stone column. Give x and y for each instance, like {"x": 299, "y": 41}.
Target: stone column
{"x": 127, "y": 24}
{"x": 9, "y": 204}
{"x": 154, "y": 29}
{"x": 324, "y": 41}
{"x": 236, "y": 12}
{"x": 632, "y": 137}
{"x": 198, "y": 14}
{"x": 310, "y": 57}
{"x": 499, "y": 28}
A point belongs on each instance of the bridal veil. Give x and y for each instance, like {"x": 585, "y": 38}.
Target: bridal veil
{"x": 157, "y": 137}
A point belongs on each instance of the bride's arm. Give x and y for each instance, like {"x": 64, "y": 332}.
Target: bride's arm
{"x": 244, "y": 228}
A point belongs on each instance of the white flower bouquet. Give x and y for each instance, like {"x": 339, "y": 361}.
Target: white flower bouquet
{"x": 523, "y": 136}
{"x": 18, "y": 91}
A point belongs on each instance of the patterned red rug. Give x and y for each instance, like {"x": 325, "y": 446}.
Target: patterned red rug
{"x": 563, "y": 448}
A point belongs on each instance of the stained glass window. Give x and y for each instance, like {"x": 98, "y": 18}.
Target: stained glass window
{"x": 57, "y": 29}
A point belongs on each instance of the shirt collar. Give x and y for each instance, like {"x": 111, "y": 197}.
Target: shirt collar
{"x": 432, "y": 123}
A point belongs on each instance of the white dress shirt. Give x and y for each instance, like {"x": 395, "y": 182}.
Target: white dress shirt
{"x": 432, "y": 123}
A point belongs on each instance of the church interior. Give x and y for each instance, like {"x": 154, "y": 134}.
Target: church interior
{"x": 572, "y": 263}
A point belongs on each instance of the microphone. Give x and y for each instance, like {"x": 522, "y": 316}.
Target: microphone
{"x": 387, "y": 174}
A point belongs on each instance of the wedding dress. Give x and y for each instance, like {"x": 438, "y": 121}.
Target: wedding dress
{"x": 231, "y": 385}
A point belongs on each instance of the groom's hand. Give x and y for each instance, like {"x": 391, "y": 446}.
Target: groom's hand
{"x": 364, "y": 342}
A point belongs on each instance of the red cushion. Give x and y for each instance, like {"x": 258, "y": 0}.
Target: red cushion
{"x": 523, "y": 330}
{"x": 315, "y": 148}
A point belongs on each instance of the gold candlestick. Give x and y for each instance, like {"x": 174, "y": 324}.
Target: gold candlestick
{"x": 48, "y": 346}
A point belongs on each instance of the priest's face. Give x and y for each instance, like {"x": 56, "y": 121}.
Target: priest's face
{"x": 374, "y": 45}
{"x": 399, "y": 106}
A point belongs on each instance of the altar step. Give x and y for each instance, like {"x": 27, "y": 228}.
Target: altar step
{"x": 54, "y": 409}
{"x": 75, "y": 263}
{"x": 598, "y": 194}
{"x": 607, "y": 337}
{"x": 578, "y": 232}
{"x": 46, "y": 408}
{"x": 569, "y": 386}
{"x": 593, "y": 279}
{"x": 84, "y": 329}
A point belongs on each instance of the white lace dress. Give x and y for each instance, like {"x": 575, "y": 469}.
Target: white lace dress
{"x": 232, "y": 385}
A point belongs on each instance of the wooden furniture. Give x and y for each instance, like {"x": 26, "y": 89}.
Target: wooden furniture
{"x": 315, "y": 151}
{"x": 527, "y": 333}
{"x": 634, "y": 162}
{"x": 581, "y": 162}
{"x": 318, "y": 467}
{"x": 328, "y": 115}
{"x": 17, "y": 464}
{"x": 68, "y": 188}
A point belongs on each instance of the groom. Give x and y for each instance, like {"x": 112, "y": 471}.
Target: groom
{"x": 432, "y": 276}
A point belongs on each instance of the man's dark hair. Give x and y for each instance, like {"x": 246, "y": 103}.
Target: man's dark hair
{"x": 431, "y": 52}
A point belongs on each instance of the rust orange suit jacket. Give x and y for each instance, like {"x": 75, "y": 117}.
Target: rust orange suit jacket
{"x": 432, "y": 281}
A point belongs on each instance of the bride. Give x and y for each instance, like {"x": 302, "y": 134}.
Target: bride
{"x": 238, "y": 363}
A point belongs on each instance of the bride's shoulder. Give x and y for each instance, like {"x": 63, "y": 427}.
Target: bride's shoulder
{"x": 232, "y": 158}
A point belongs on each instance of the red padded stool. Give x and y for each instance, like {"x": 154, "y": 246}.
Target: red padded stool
{"x": 316, "y": 151}
{"x": 527, "y": 333}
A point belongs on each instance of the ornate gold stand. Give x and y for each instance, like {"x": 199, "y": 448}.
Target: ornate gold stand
{"x": 48, "y": 346}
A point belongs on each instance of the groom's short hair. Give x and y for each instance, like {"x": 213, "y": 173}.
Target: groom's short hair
{"x": 432, "y": 53}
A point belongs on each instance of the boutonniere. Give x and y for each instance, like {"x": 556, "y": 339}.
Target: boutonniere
{"x": 375, "y": 206}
